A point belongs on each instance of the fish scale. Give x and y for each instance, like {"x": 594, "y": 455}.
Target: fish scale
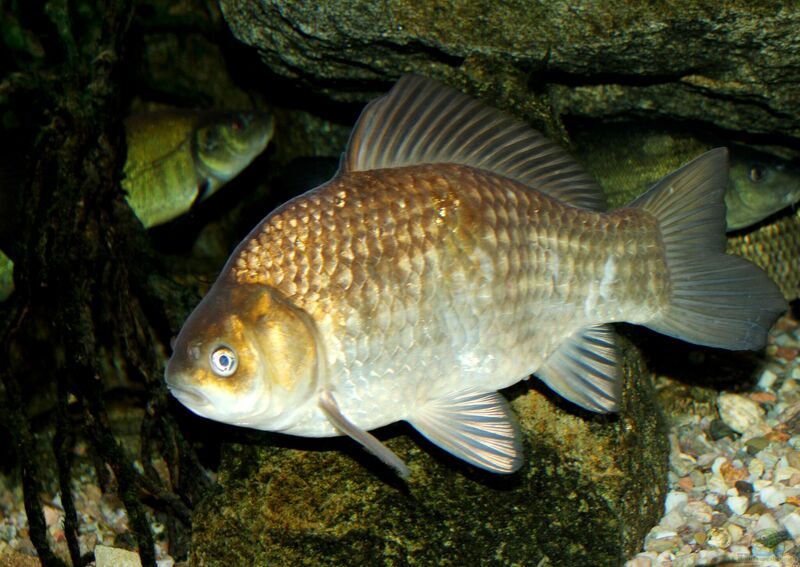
{"x": 775, "y": 248}
{"x": 453, "y": 260}
{"x": 434, "y": 270}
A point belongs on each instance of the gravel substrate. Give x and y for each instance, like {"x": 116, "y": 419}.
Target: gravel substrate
{"x": 102, "y": 521}
{"x": 734, "y": 483}
{"x": 734, "y": 479}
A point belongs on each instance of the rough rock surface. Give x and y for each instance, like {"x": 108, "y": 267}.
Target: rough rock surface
{"x": 688, "y": 59}
{"x": 325, "y": 502}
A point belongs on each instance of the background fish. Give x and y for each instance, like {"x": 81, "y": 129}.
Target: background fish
{"x": 177, "y": 158}
{"x": 6, "y": 276}
{"x": 627, "y": 159}
{"x": 775, "y": 248}
{"x": 455, "y": 253}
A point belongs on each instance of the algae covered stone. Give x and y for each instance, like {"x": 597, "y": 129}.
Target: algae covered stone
{"x": 590, "y": 489}
{"x": 688, "y": 59}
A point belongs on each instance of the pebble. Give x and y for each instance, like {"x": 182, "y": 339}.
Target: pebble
{"x": 738, "y": 504}
{"x": 102, "y": 519}
{"x": 719, "y": 430}
{"x": 740, "y": 413}
{"x": 759, "y": 551}
{"x": 114, "y": 557}
{"x": 756, "y": 444}
{"x": 719, "y": 537}
{"x": 673, "y": 520}
{"x": 736, "y": 532}
{"x": 785, "y": 473}
{"x": 734, "y": 492}
{"x": 698, "y": 479}
{"x": 772, "y": 537}
{"x": 772, "y": 496}
{"x": 698, "y": 511}
{"x": 717, "y": 485}
{"x": 674, "y": 500}
{"x": 765, "y": 522}
{"x": 792, "y": 524}
{"x": 767, "y": 379}
{"x": 756, "y": 469}
{"x": 661, "y": 539}
{"x": 718, "y": 520}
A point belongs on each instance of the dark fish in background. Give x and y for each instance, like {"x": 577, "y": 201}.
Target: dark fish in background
{"x": 176, "y": 158}
{"x": 627, "y": 159}
{"x": 775, "y": 248}
{"x": 6, "y": 276}
{"x": 455, "y": 253}
{"x": 761, "y": 185}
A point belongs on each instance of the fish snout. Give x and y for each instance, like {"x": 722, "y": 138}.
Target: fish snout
{"x": 192, "y": 398}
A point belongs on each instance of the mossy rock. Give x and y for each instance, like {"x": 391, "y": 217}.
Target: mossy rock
{"x": 591, "y": 488}
{"x": 733, "y": 65}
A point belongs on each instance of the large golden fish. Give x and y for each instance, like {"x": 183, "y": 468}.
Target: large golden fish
{"x": 455, "y": 253}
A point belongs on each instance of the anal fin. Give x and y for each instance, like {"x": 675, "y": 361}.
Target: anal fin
{"x": 584, "y": 369}
{"x": 477, "y": 427}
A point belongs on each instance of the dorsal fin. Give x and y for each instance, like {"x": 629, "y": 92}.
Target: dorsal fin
{"x": 423, "y": 121}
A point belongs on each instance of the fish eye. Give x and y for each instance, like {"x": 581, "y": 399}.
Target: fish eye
{"x": 223, "y": 361}
{"x": 240, "y": 123}
{"x": 756, "y": 172}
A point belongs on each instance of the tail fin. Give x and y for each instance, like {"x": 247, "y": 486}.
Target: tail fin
{"x": 717, "y": 300}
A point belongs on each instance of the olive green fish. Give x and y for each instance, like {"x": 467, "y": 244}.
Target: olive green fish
{"x": 627, "y": 159}
{"x": 176, "y": 158}
{"x": 455, "y": 253}
{"x": 775, "y": 248}
{"x": 6, "y": 276}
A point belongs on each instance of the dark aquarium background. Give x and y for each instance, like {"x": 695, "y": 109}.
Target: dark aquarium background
{"x": 99, "y": 453}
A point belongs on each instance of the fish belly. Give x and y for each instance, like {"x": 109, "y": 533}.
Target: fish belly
{"x": 429, "y": 280}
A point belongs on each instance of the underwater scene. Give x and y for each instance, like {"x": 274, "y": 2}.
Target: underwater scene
{"x": 399, "y": 283}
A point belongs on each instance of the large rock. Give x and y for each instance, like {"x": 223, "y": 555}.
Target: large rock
{"x": 588, "y": 493}
{"x": 687, "y": 59}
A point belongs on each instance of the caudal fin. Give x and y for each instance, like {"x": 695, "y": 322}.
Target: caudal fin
{"x": 717, "y": 300}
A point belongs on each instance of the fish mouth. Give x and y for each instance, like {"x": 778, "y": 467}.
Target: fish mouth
{"x": 190, "y": 397}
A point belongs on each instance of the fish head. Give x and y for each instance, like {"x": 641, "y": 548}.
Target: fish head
{"x": 226, "y": 142}
{"x": 760, "y": 185}
{"x": 245, "y": 356}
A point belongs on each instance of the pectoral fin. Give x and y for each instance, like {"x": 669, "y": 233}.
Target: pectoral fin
{"x": 477, "y": 427}
{"x": 328, "y": 404}
{"x": 584, "y": 369}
